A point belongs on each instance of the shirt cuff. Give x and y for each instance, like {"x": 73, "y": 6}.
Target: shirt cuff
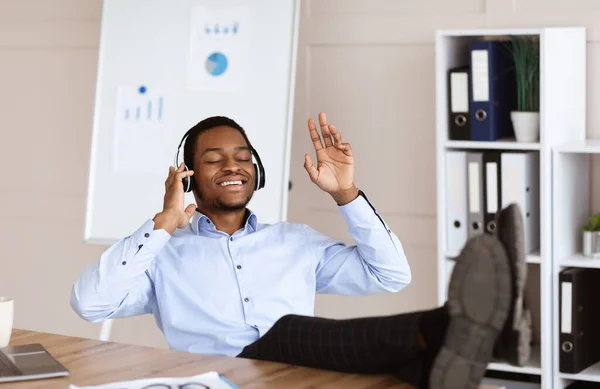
{"x": 360, "y": 212}
{"x": 150, "y": 238}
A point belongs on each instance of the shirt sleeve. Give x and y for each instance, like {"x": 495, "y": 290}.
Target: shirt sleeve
{"x": 376, "y": 263}
{"x": 118, "y": 283}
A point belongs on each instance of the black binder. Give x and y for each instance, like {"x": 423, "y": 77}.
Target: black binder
{"x": 459, "y": 126}
{"x": 584, "y": 385}
{"x": 579, "y": 312}
{"x": 492, "y": 189}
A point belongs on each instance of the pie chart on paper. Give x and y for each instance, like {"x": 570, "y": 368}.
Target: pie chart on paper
{"x": 216, "y": 64}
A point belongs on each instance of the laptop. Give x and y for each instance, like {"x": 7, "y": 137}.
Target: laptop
{"x": 28, "y": 362}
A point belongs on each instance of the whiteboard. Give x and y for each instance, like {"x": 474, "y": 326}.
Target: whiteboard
{"x": 164, "y": 65}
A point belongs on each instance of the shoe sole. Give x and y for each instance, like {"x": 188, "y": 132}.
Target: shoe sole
{"x": 479, "y": 300}
{"x": 514, "y": 345}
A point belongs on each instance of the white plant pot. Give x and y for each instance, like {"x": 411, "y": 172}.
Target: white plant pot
{"x": 591, "y": 243}
{"x": 526, "y": 125}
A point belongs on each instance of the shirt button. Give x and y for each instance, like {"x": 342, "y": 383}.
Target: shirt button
{"x": 246, "y": 299}
{"x": 146, "y": 234}
{"x": 239, "y": 266}
{"x": 124, "y": 263}
{"x": 231, "y": 239}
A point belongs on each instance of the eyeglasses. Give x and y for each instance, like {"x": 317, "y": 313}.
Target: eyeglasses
{"x": 189, "y": 385}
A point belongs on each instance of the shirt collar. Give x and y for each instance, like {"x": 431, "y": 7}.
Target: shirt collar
{"x": 200, "y": 221}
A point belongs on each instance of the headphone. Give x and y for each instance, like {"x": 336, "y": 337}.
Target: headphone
{"x": 259, "y": 170}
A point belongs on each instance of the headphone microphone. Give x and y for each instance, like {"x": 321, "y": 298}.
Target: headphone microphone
{"x": 259, "y": 170}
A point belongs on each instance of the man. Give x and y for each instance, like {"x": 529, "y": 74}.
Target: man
{"x": 226, "y": 284}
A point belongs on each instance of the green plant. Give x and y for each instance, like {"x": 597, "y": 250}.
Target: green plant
{"x": 593, "y": 223}
{"x": 525, "y": 53}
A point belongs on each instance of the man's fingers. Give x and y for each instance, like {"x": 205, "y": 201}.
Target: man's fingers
{"x": 314, "y": 135}
{"x": 181, "y": 175}
{"x": 322, "y": 119}
{"x": 345, "y": 147}
{"x": 189, "y": 210}
{"x": 169, "y": 176}
{"x": 336, "y": 134}
{"x": 176, "y": 176}
{"x": 325, "y": 130}
{"x": 313, "y": 173}
{"x": 181, "y": 167}
{"x": 327, "y": 135}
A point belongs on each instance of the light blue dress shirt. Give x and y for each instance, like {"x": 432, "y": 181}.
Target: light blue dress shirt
{"x": 213, "y": 293}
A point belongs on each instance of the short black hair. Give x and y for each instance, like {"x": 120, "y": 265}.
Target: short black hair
{"x": 207, "y": 124}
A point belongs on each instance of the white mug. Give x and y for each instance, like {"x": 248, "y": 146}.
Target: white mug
{"x": 6, "y": 320}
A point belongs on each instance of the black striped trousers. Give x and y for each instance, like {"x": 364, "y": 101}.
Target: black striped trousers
{"x": 386, "y": 344}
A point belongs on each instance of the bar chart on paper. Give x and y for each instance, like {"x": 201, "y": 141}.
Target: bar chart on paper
{"x": 140, "y": 104}
{"x": 141, "y": 130}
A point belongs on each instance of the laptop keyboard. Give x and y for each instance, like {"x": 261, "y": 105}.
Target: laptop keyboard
{"x": 7, "y": 368}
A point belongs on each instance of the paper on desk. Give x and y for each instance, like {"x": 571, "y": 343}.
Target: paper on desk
{"x": 210, "y": 380}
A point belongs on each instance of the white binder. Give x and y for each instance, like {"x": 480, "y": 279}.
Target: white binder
{"x": 475, "y": 183}
{"x": 521, "y": 185}
{"x": 456, "y": 209}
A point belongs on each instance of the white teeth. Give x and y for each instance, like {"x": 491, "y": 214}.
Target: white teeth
{"x": 227, "y": 183}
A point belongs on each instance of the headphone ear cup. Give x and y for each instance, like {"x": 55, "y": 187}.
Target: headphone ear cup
{"x": 188, "y": 182}
{"x": 257, "y": 178}
{"x": 191, "y": 183}
{"x": 262, "y": 175}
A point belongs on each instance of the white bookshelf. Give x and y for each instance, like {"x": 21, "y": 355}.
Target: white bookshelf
{"x": 504, "y": 144}
{"x": 571, "y": 201}
{"x": 579, "y": 260}
{"x": 562, "y": 124}
{"x": 532, "y": 257}
{"x": 532, "y": 367}
{"x": 591, "y": 374}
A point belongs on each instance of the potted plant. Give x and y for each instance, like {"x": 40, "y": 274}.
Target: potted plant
{"x": 591, "y": 236}
{"x": 525, "y": 53}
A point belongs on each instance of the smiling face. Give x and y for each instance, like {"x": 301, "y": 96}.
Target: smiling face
{"x": 223, "y": 170}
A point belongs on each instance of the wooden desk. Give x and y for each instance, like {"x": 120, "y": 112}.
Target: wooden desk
{"x": 93, "y": 362}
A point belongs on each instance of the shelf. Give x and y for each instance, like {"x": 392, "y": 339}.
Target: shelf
{"x": 532, "y": 367}
{"x": 592, "y": 373}
{"x": 490, "y": 32}
{"x": 562, "y": 199}
{"x": 533, "y": 257}
{"x": 580, "y": 260}
{"x": 508, "y": 384}
{"x": 589, "y": 146}
{"x": 503, "y": 144}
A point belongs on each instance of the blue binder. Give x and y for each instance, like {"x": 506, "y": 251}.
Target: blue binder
{"x": 493, "y": 91}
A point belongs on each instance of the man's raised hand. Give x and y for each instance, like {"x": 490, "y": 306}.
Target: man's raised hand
{"x": 334, "y": 172}
{"x": 174, "y": 215}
